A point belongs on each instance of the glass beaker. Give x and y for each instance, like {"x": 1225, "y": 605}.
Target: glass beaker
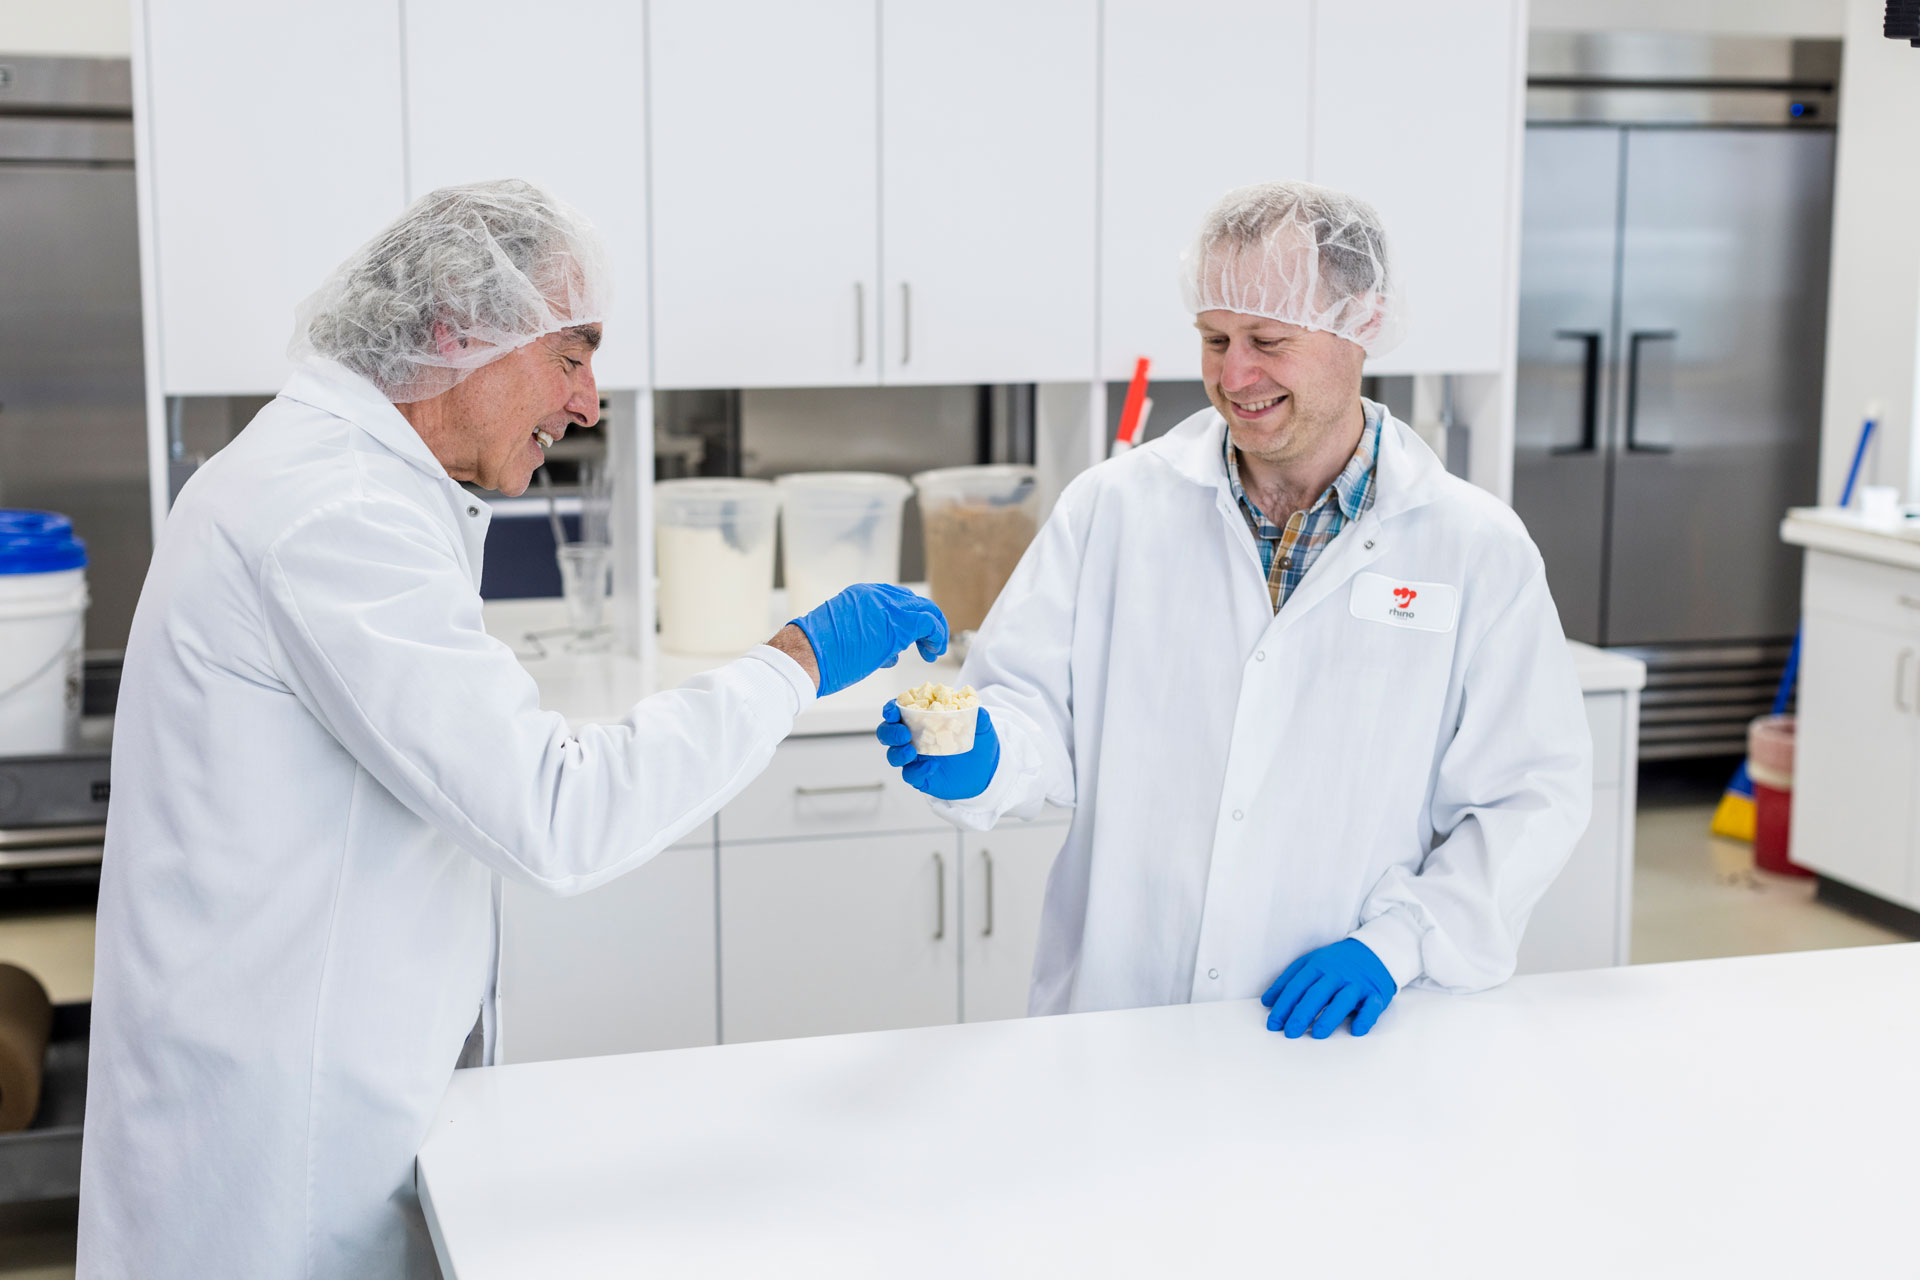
{"x": 586, "y": 580}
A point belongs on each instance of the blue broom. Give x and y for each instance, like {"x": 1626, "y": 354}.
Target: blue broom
{"x": 1734, "y": 817}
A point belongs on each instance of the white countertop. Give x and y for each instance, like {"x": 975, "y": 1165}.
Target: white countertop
{"x": 1604, "y": 672}
{"x": 1845, "y": 533}
{"x": 602, "y": 687}
{"x": 1750, "y": 1117}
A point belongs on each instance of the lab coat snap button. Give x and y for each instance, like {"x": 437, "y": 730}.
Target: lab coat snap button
{"x": 473, "y": 511}
{"x": 1237, "y": 815}
{"x": 1261, "y": 656}
{"x": 1369, "y": 544}
{"x": 1213, "y": 973}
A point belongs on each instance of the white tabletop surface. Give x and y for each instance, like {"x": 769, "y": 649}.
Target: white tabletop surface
{"x": 1844, "y": 532}
{"x": 602, "y": 687}
{"x": 1752, "y": 1117}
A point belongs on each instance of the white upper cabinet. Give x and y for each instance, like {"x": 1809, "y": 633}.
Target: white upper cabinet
{"x": 584, "y": 139}
{"x": 765, "y": 209}
{"x": 1415, "y": 109}
{"x": 988, "y": 190}
{"x": 1171, "y": 149}
{"x": 275, "y": 151}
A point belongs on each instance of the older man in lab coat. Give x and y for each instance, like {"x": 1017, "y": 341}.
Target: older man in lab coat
{"x": 324, "y": 766}
{"x": 1305, "y": 692}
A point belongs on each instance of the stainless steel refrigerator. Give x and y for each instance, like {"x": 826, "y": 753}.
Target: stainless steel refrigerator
{"x": 73, "y": 434}
{"x": 1671, "y": 338}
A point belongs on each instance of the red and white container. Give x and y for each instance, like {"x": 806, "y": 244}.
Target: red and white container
{"x": 1770, "y": 766}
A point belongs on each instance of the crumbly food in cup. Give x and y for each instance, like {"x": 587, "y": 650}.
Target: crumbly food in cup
{"x": 932, "y": 696}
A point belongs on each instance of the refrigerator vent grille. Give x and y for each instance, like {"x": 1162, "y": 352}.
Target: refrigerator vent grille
{"x": 1700, "y": 698}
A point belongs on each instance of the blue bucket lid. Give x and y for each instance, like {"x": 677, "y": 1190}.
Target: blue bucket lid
{"x": 19, "y": 522}
{"x": 38, "y": 542}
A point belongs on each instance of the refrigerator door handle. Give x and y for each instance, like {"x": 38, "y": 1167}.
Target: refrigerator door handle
{"x": 1589, "y": 394}
{"x": 1633, "y": 387}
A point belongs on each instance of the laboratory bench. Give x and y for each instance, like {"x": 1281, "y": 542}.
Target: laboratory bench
{"x": 1856, "y": 770}
{"x": 1751, "y": 1116}
{"x": 828, "y": 897}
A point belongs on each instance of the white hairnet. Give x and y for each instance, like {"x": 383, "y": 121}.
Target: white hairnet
{"x": 1299, "y": 254}
{"x": 467, "y": 275}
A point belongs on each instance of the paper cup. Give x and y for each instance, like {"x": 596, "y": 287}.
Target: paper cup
{"x": 941, "y": 733}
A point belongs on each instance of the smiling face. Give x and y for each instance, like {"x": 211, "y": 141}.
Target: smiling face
{"x": 503, "y": 415}
{"x": 1285, "y": 391}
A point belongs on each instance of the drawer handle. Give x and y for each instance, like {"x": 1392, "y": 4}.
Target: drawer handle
{"x": 858, "y": 789}
{"x": 987, "y": 858}
{"x": 940, "y": 897}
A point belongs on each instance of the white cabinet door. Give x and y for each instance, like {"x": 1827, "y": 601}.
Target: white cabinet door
{"x": 1006, "y": 879}
{"x": 765, "y": 212}
{"x": 989, "y": 140}
{"x": 858, "y": 933}
{"x": 276, "y": 150}
{"x": 1415, "y": 109}
{"x": 627, "y": 967}
{"x": 1577, "y": 924}
{"x": 587, "y": 144}
{"x": 1855, "y": 772}
{"x": 1170, "y": 151}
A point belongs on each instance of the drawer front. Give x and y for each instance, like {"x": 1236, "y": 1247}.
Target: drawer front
{"x": 826, "y": 787}
{"x": 1880, "y": 595}
{"x": 701, "y": 837}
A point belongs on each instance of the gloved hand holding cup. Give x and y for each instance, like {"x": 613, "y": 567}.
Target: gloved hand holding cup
{"x": 962, "y": 751}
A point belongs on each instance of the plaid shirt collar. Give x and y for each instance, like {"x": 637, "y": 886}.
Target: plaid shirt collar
{"x": 1352, "y": 488}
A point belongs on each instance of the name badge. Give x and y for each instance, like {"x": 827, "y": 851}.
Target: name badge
{"x": 1398, "y": 602}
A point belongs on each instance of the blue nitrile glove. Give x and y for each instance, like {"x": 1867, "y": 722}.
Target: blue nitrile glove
{"x": 1322, "y": 987}
{"x": 960, "y": 777}
{"x": 865, "y": 627}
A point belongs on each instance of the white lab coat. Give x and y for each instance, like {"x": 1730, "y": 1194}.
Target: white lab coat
{"x": 322, "y": 767}
{"x": 1248, "y": 786}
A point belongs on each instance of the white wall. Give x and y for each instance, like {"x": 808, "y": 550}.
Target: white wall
{"x": 89, "y": 28}
{"x": 1873, "y": 315}
{"x": 1723, "y": 17}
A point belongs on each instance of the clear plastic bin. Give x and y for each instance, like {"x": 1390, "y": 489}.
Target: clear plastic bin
{"x": 840, "y": 527}
{"x": 978, "y": 522}
{"x": 713, "y": 541}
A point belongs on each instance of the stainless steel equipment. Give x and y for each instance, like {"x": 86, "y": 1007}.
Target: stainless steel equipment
{"x": 73, "y": 434}
{"x": 1671, "y": 348}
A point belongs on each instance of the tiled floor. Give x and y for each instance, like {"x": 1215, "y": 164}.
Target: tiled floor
{"x": 1694, "y": 897}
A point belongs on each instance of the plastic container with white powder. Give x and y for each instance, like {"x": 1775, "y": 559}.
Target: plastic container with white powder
{"x": 713, "y": 540}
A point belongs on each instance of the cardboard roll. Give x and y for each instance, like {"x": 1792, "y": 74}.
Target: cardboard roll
{"x": 26, "y": 1019}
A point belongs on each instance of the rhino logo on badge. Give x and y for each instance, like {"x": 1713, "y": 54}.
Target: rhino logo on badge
{"x": 1404, "y": 596}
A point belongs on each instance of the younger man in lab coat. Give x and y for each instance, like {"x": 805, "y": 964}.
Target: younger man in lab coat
{"x": 1306, "y": 692}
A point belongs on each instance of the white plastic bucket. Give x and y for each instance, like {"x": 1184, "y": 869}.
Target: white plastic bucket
{"x": 42, "y": 634}
{"x": 841, "y": 527}
{"x": 713, "y": 540}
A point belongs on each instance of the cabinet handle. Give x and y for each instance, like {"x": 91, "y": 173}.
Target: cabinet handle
{"x": 859, "y": 323}
{"x": 1633, "y": 388}
{"x": 940, "y": 897}
{"x": 987, "y": 858}
{"x": 906, "y": 323}
{"x": 1900, "y": 681}
{"x": 1589, "y": 394}
{"x": 864, "y": 788}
